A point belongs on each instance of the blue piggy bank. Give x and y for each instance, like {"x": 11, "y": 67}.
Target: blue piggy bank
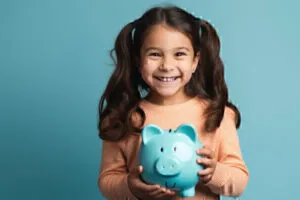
{"x": 169, "y": 158}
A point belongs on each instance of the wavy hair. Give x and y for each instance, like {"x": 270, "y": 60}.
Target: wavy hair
{"x": 125, "y": 87}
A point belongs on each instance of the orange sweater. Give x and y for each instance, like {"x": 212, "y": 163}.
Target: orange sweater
{"x": 230, "y": 177}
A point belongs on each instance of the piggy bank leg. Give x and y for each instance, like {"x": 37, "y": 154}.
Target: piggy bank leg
{"x": 189, "y": 192}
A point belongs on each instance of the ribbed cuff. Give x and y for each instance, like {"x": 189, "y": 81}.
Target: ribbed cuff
{"x": 219, "y": 177}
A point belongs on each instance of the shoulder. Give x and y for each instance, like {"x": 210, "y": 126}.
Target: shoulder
{"x": 127, "y": 141}
{"x": 228, "y": 125}
{"x": 229, "y": 114}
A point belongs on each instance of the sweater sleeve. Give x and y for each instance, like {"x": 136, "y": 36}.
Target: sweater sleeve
{"x": 112, "y": 180}
{"x": 231, "y": 174}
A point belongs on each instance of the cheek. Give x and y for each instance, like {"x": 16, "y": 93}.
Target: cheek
{"x": 187, "y": 68}
{"x": 187, "y": 76}
{"x": 149, "y": 66}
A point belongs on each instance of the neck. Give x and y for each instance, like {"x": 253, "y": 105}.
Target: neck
{"x": 156, "y": 99}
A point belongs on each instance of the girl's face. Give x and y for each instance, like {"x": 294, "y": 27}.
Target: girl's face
{"x": 167, "y": 63}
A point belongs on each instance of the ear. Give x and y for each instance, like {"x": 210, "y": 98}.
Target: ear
{"x": 196, "y": 61}
{"x": 188, "y": 130}
{"x": 150, "y": 131}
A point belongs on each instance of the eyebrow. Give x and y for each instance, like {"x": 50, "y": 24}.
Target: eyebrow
{"x": 156, "y": 48}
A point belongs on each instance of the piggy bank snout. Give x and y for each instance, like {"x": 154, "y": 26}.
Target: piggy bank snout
{"x": 168, "y": 166}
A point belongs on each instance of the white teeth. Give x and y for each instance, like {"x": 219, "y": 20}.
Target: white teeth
{"x": 167, "y": 79}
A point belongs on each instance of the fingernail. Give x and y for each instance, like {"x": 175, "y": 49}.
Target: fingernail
{"x": 199, "y": 160}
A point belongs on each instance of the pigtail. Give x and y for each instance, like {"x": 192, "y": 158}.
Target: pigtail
{"x": 211, "y": 76}
{"x": 121, "y": 94}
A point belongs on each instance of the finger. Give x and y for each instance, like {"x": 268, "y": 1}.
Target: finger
{"x": 205, "y": 172}
{"x": 206, "y": 178}
{"x": 140, "y": 169}
{"x": 163, "y": 196}
{"x": 149, "y": 188}
{"x": 203, "y": 151}
{"x": 156, "y": 192}
{"x": 170, "y": 192}
{"x": 137, "y": 170}
{"x": 144, "y": 186}
{"x": 206, "y": 152}
{"x": 205, "y": 161}
{"x": 164, "y": 191}
{"x": 134, "y": 175}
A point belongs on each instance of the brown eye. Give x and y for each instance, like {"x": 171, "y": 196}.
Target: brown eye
{"x": 154, "y": 54}
{"x": 180, "y": 54}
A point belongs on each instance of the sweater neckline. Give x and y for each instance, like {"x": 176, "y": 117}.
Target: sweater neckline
{"x": 149, "y": 105}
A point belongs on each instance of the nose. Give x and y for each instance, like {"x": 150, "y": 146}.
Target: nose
{"x": 166, "y": 65}
{"x": 168, "y": 166}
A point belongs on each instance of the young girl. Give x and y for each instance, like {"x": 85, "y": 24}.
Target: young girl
{"x": 168, "y": 72}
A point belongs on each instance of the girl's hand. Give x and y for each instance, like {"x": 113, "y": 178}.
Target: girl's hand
{"x": 145, "y": 191}
{"x": 208, "y": 161}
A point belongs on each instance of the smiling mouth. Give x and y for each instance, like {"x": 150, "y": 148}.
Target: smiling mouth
{"x": 166, "y": 79}
{"x": 174, "y": 185}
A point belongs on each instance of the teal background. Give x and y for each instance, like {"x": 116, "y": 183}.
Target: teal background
{"x": 54, "y": 65}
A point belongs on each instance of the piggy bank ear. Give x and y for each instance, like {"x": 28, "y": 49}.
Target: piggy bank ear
{"x": 150, "y": 131}
{"x": 188, "y": 130}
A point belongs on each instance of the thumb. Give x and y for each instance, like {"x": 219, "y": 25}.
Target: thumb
{"x": 138, "y": 170}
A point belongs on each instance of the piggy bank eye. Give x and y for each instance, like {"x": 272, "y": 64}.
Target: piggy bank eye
{"x": 162, "y": 149}
{"x": 174, "y": 149}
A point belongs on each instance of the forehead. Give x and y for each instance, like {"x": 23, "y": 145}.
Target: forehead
{"x": 165, "y": 37}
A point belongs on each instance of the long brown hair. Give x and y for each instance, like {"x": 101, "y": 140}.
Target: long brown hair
{"x": 125, "y": 87}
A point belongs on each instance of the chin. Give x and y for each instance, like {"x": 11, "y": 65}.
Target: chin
{"x": 167, "y": 92}
{"x": 167, "y": 95}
